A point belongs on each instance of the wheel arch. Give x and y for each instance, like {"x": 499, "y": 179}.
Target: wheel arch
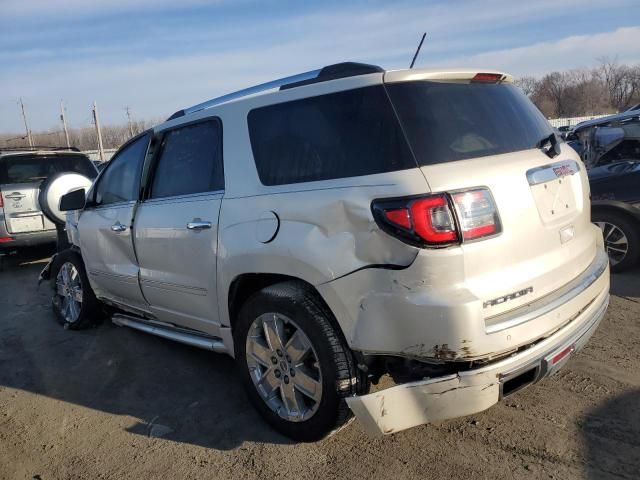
{"x": 618, "y": 207}
{"x": 246, "y": 284}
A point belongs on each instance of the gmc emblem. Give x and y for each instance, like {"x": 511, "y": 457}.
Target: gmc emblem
{"x": 563, "y": 171}
{"x": 506, "y": 298}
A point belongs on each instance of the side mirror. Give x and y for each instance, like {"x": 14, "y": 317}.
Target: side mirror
{"x": 73, "y": 200}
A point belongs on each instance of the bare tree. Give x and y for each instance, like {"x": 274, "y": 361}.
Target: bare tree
{"x": 587, "y": 93}
{"x": 622, "y": 82}
{"x": 556, "y": 86}
{"x": 82, "y": 138}
{"x": 528, "y": 85}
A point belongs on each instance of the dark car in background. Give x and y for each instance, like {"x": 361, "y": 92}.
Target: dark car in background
{"x": 22, "y": 172}
{"x": 610, "y": 149}
{"x": 607, "y": 140}
{"x": 615, "y": 208}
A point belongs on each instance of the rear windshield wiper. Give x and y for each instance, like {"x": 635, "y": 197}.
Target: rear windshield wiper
{"x": 549, "y": 145}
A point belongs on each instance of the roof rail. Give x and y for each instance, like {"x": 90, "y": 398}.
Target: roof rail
{"x": 330, "y": 72}
{"x": 38, "y": 147}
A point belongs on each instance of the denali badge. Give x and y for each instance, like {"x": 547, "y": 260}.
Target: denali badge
{"x": 510, "y": 296}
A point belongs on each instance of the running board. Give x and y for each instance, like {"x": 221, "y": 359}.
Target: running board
{"x": 178, "y": 335}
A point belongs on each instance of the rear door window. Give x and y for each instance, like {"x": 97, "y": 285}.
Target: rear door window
{"x": 120, "y": 182}
{"x": 36, "y": 168}
{"x": 339, "y": 135}
{"x": 447, "y": 121}
{"x": 190, "y": 161}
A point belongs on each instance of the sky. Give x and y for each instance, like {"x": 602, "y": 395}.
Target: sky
{"x": 158, "y": 56}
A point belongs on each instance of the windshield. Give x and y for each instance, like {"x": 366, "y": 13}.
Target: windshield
{"x": 35, "y": 168}
{"x": 445, "y": 122}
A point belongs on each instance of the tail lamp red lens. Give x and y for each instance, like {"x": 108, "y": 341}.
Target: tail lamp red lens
{"x": 399, "y": 216}
{"x": 432, "y": 219}
{"x": 439, "y": 220}
{"x": 6, "y": 239}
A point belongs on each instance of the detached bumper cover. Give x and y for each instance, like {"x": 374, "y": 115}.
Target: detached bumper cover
{"x": 416, "y": 403}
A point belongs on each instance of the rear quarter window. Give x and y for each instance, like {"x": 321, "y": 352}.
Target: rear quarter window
{"x": 339, "y": 135}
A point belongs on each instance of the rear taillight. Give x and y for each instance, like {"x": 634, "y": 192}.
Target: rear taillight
{"x": 477, "y": 213}
{"x": 432, "y": 219}
{"x": 439, "y": 220}
{"x": 6, "y": 239}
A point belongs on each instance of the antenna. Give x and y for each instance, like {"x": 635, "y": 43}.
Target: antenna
{"x": 418, "y": 50}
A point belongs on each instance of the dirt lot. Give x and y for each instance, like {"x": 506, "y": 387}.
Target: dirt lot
{"x": 114, "y": 403}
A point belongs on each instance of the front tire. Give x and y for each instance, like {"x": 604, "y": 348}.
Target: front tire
{"x": 73, "y": 300}
{"x": 296, "y": 369}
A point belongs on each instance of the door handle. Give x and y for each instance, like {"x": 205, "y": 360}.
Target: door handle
{"x": 118, "y": 227}
{"x": 197, "y": 224}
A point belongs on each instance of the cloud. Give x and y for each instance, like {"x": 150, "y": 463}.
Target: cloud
{"x": 169, "y": 64}
{"x": 563, "y": 54}
{"x": 81, "y": 8}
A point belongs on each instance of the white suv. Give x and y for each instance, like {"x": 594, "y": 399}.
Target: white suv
{"x": 340, "y": 225}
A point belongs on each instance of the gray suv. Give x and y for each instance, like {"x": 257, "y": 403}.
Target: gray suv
{"x": 344, "y": 224}
{"x": 22, "y": 172}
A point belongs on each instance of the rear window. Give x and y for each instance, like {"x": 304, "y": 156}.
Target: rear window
{"x": 454, "y": 121}
{"x": 35, "y": 168}
{"x": 339, "y": 135}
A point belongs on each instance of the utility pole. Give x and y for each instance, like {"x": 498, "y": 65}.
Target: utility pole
{"x": 64, "y": 123}
{"x": 129, "y": 120}
{"x": 96, "y": 120}
{"x": 26, "y": 125}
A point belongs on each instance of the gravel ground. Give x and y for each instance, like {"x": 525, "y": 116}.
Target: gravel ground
{"x": 114, "y": 403}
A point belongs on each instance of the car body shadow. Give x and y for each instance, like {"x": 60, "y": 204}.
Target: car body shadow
{"x": 611, "y": 434}
{"x": 173, "y": 391}
{"x": 626, "y": 284}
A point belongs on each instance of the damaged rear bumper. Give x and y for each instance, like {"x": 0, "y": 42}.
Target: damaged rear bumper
{"x": 465, "y": 393}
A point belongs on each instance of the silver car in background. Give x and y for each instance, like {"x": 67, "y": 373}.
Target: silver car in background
{"x": 22, "y": 172}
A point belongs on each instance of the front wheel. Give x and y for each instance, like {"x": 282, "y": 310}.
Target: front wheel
{"x": 295, "y": 367}
{"x": 73, "y": 301}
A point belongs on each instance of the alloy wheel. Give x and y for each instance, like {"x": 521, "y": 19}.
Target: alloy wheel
{"x": 284, "y": 367}
{"x": 69, "y": 292}
{"x": 615, "y": 242}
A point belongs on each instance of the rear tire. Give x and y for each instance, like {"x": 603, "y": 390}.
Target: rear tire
{"x": 621, "y": 238}
{"x": 276, "y": 325}
{"x": 73, "y": 300}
